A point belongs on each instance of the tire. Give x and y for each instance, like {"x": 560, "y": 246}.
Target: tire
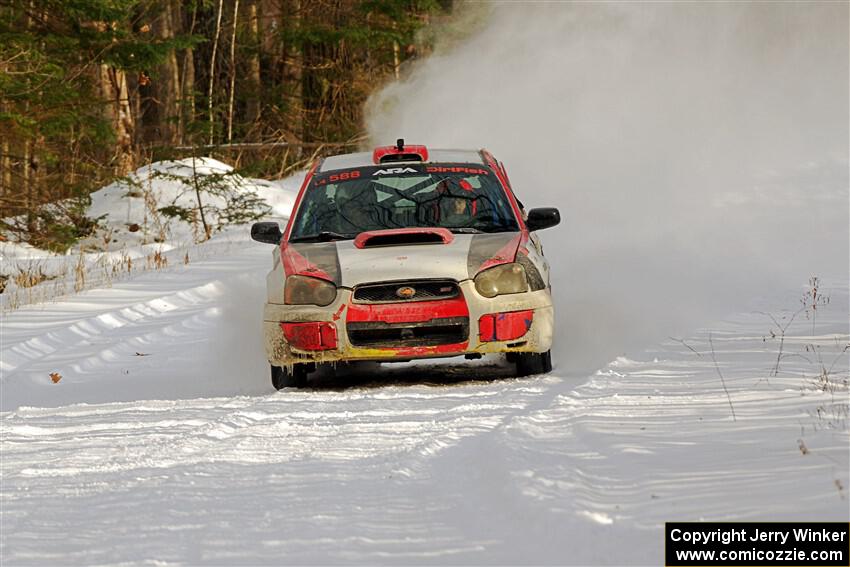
{"x": 528, "y": 363}
{"x": 295, "y": 378}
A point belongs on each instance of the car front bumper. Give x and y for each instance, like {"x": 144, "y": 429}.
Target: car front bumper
{"x": 285, "y": 348}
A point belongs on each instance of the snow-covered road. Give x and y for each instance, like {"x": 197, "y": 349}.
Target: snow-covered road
{"x": 164, "y": 442}
{"x": 699, "y": 157}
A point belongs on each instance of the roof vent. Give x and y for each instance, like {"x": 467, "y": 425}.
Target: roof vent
{"x": 399, "y": 152}
{"x": 402, "y": 237}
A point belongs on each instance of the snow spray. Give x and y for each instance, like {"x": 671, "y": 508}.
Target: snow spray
{"x": 698, "y": 152}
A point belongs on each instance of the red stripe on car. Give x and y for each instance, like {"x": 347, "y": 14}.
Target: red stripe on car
{"x": 506, "y": 253}
{"x": 294, "y": 263}
{"x": 409, "y": 312}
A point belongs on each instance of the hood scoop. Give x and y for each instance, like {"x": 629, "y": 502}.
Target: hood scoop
{"x": 403, "y": 237}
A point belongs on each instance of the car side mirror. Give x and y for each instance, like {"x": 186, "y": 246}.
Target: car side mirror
{"x": 545, "y": 217}
{"x": 266, "y": 232}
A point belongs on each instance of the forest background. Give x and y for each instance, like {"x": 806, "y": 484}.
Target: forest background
{"x": 90, "y": 90}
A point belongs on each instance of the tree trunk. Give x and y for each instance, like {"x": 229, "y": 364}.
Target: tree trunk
{"x": 166, "y": 81}
{"x": 25, "y": 166}
{"x": 187, "y": 80}
{"x": 272, "y": 18}
{"x": 187, "y": 90}
{"x": 6, "y": 168}
{"x": 212, "y": 73}
{"x": 29, "y": 203}
{"x": 232, "y": 74}
{"x": 295, "y": 62}
{"x": 5, "y": 162}
{"x": 117, "y": 109}
{"x": 396, "y": 61}
{"x": 5, "y": 150}
{"x": 254, "y": 78}
{"x": 207, "y": 230}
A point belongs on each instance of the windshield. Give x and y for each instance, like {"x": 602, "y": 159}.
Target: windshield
{"x": 459, "y": 197}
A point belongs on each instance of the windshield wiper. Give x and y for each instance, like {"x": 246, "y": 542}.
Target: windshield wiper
{"x": 465, "y": 230}
{"x": 324, "y": 236}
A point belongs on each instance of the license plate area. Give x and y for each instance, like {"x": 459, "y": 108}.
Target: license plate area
{"x": 437, "y": 331}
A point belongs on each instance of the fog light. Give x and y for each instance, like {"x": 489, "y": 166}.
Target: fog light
{"x": 504, "y": 326}
{"x": 310, "y": 336}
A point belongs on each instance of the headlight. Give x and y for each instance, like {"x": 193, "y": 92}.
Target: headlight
{"x": 303, "y": 290}
{"x": 503, "y": 279}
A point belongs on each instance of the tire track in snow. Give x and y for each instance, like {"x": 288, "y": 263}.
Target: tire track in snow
{"x": 333, "y": 426}
{"x": 297, "y": 445}
{"x": 477, "y": 472}
{"x": 178, "y": 315}
{"x": 652, "y": 440}
{"x": 19, "y": 356}
{"x": 385, "y": 438}
{"x": 646, "y": 441}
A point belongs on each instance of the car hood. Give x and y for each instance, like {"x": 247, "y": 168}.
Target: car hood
{"x": 459, "y": 259}
{"x": 408, "y": 262}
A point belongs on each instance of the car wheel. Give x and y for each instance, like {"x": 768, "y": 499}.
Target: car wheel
{"x": 294, "y": 378}
{"x": 528, "y": 363}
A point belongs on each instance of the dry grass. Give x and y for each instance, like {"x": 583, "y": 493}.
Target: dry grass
{"x": 29, "y": 284}
{"x": 31, "y": 276}
{"x": 156, "y": 261}
{"x": 80, "y": 273}
{"x": 159, "y": 226}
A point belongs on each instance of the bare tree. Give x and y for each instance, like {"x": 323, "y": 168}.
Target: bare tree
{"x": 212, "y": 72}
{"x": 187, "y": 79}
{"x": 232, "y": 73}
{"x": 254, "y": 78}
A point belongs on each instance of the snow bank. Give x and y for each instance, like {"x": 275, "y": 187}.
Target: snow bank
{"x": 134, "y": 235}
{"x": 127, "y": 202}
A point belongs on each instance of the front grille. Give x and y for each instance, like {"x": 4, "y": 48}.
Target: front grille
{"x": 424, "y": 290}
{"x": 439, "y": 331}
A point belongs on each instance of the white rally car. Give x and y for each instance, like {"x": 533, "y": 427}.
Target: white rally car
{"x": 403, "y": 253}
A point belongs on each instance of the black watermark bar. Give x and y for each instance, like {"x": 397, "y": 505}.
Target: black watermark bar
{"x": 757, "y": 544}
